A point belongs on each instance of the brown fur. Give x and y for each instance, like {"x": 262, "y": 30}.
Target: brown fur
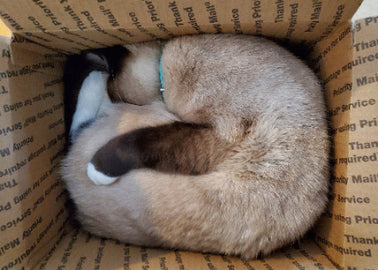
{"x": 261, "y": 108}
{"x": 177, "y": 148}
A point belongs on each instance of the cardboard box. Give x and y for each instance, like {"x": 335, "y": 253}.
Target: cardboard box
{"x": 35, "y": 225}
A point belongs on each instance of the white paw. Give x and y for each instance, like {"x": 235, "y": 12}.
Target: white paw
{"x": 98, "y": 177}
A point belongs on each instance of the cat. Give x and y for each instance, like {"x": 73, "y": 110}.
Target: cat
{"x": 232, "y": 160}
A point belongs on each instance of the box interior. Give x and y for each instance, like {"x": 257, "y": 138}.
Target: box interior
{"x": 36, "y": 228}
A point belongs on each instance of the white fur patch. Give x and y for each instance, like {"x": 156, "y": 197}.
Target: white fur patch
{"x": 105, "y": 104}
{"x": 98, "y": 177}
{"x": 91, "y": 96}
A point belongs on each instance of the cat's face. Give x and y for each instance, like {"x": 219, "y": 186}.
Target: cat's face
{"x": 137, "y": 81}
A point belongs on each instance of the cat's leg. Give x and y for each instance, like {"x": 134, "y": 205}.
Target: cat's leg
{"x": 85, "y": 86}
{"x": 92, "y": 97}
{"x": 175, "y": 148}
{"x": 85, "y": 82}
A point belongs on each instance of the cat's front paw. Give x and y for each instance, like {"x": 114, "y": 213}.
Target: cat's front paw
{"x": 98, "y": 177}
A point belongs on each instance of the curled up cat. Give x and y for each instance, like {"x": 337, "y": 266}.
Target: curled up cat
{"x": 233, "y": 159}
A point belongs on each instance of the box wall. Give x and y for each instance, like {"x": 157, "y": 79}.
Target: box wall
{"x": 47, "y": 79}
{"x": 348, "y": 65}
{"x": 32, "y": 200}
{"x": 76, "y": 25}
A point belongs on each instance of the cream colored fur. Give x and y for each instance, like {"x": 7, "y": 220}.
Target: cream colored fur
{"x": 267, "y": 192}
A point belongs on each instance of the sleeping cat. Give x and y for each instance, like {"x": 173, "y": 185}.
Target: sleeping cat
{"x": 234, "y": 161}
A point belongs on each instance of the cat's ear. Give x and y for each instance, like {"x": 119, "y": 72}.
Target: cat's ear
{"x": 97, "y": 59}
{"x": 109, "y": 60}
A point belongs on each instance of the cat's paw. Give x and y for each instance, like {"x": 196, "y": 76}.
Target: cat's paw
{"x": 98, "y": 177}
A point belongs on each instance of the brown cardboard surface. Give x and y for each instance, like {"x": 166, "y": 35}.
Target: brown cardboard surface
{"x": 31, "y": 139}
{"x": 79, "y": 250}
{"x": 33, "y": 214}
{"x": 77, "y": 25}
{"x": 348, "y": 63}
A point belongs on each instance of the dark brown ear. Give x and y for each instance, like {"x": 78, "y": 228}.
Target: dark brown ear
{"x": 114, "y": 57}
{"x": 177, "y": 148}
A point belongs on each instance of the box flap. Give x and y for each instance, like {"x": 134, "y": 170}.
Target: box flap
{"x": 93, "y": 24}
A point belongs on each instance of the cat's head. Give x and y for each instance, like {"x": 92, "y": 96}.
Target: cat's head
{"x": 133, "y": 69}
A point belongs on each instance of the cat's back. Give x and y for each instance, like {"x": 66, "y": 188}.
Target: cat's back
{"x": 242, "y": 79}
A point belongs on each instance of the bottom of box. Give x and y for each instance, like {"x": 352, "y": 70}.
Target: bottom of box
{"x": 77, "y": 249}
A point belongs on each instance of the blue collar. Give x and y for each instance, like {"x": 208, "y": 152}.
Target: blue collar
{"x": 161, "y": 80}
